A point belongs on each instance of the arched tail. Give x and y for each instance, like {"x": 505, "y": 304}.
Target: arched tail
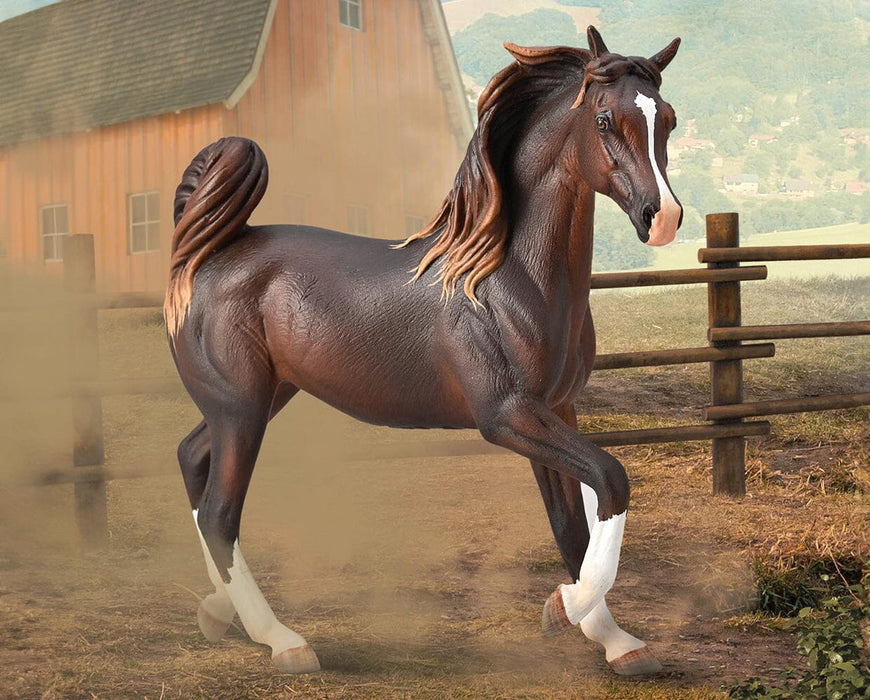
{"x": 218, "y": 191}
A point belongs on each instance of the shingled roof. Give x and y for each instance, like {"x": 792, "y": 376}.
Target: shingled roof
{"x": 81, "y": 64}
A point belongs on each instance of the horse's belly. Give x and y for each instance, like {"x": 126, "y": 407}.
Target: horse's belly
{"x": 394, "y": 385}
{"x": 373, "y": 399}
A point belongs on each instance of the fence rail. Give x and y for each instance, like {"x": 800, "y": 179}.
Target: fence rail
{"x": 793, "y": 330}
{"x": 682, "y": 356}
{"x": 804, "y": 404}
{"x": 725, "y": 353}
{"x": 658, "y": 278}
{"x": 777, "y": 253}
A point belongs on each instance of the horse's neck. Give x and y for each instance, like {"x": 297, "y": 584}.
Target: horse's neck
{"x": 552, "y": 237}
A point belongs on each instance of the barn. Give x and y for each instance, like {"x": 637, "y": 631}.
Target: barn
{"x": 358, "y": 105}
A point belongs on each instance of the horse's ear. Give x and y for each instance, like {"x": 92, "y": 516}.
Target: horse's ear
{"x": 596, "y": 43}
{"x": 527, "y": 55}
{"x": 666, "y": 55}
{"x": 535, "y": 55}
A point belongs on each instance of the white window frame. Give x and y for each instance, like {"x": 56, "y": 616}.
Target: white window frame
{"x": 346, "y": 11}
{"x": 55, "y": 236}
{"x": 150, "y": 225}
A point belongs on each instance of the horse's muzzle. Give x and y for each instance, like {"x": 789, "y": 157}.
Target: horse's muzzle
{"x": 658, "y": 226}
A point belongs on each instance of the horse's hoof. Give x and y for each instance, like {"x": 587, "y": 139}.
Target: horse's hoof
{"x": 555, "y": 620}
{"x": 636, "y": 663}
{"x": 212, "y": 627}
{"x": 297, "y": 660}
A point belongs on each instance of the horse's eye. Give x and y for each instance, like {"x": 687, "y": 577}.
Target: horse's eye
{"x": 602, "y": 122}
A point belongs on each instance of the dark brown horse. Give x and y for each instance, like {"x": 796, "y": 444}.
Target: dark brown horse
{"x": 257, "y": 313}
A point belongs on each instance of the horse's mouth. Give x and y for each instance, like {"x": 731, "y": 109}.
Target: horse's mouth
{"x": 664, "y": 222}
{"x": 655, "y": 226}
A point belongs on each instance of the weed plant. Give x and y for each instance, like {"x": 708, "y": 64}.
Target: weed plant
{"x": 833, "y": 637}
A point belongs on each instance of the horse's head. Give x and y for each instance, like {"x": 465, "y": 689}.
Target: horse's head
{"x": 593, "y": 116}
{"x": 620, "y": 126}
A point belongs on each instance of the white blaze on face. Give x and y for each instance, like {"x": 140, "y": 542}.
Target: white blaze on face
{"x": 664, "y": 225}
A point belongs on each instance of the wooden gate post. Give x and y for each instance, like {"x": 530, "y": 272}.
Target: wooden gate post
{"x": 726, "y": 376}
{"x": 79, "y": 272}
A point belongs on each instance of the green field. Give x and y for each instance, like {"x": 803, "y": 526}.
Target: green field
{"x": 685, "y": 255}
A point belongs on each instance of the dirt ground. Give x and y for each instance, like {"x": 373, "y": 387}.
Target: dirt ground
{"x": 420, "y": 577}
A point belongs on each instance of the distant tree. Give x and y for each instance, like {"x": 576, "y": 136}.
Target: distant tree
{"x": 616, "y": 245}
{"x": 479, "y": 47}
{"x": 761, "y": 162}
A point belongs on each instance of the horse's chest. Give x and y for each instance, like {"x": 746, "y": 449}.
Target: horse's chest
{"x": 571, "y": 362}
{"x": 554, "y": 359}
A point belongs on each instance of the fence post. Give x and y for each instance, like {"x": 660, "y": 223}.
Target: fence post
{"x": 79, "y": 272}
{"x": 726, "y": 376}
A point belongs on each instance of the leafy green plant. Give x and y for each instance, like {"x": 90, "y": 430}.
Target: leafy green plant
{"x": 802, "y": 579}
{"x": 831, "y": 639}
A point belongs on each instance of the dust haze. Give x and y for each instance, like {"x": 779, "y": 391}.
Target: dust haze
{"x": 393, "y": 549}
{"x": 415, "y": 567}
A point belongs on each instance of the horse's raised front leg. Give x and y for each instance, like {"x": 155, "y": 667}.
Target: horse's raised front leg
{"x": 571, "y": 508}
{"x": 235, "y": 441}
{"x": 528, "y": 427}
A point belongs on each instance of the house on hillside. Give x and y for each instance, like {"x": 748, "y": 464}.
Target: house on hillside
{"x": 756, "y": 140}
{"x": 689, "y": 143}
{"x": 798, "y": 188}
{"x": 358, "y": 105}
{"x": 745, "y": 183}
{"x": 857, "y": 187}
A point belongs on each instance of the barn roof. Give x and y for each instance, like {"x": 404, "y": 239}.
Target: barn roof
{"x": 80, "y": 64}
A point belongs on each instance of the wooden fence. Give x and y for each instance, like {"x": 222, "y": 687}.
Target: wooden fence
{"x": 724, "y": 352}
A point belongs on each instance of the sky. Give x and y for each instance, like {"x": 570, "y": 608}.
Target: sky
{"x": 12, "y": 8}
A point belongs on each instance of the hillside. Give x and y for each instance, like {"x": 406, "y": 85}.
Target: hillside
{"x": 460, "y": 13}
{"x": 774, "y": 125}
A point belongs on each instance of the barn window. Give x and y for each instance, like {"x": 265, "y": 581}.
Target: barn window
{"x": 413, "y": 224}
{"x": 350, "y": 13}
{"x": 55, "y": 225}
{"x": 144, "y": 222}
{"x": 358, "y": 220}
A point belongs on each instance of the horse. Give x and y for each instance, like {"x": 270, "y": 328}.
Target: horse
{"x": 376, "y": 329}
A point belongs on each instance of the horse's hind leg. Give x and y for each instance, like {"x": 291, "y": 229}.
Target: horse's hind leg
{"x": 236, "y": 430}
{"x": 216, "y": 610}
{"x": 571, "y": 508}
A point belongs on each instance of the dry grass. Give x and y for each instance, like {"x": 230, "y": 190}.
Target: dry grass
{"x": 424, "y": 578}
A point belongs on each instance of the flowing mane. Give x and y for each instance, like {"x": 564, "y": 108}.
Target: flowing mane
{"x": 472, "y": 225}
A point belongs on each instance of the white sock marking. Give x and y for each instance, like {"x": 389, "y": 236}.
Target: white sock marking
{"x": 598, "y": 571}
{"x": 218, "y": 603}
{"x": 599, "y": 625}
{"x": 664, "y": 226}
{"x": 246, "y": 598}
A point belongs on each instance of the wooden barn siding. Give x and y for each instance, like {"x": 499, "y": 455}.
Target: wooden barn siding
{"x": 345, "y": 118}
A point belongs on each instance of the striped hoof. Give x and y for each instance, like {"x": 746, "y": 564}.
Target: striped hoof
{"x": 636, "y": 663}
{"x": 211, "y": 626}
{"x": 297, "y": 660}
{"x": 555, "y": 620}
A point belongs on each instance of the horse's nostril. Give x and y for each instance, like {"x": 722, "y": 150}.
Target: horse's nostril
{"x": 649, "y": 212}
